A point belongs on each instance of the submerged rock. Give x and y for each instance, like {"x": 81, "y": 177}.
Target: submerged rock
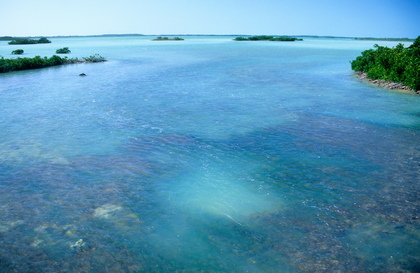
{"x": 118, "y": 216}
{"x": 79, "y": 243}
{"x": 107, "y": 211}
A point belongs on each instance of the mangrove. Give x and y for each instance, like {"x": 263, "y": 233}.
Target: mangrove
{"x": 8, "y": 65}
{"x": 268, "y": 38}
{"x": 25, "y": 41}
{"x": 398, "y": 64}
{"x": 18, "y": 51}
{"x": 64, "y": 50}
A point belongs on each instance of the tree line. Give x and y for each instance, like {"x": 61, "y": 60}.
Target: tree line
{"x": 24, "y": 41}
{"x": 267, "y": 38}
{"x": 398, "y": 64}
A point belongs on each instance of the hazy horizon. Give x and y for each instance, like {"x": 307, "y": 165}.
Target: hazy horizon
{"x": 368, "y": 18}
{"x": 198, "y": 34}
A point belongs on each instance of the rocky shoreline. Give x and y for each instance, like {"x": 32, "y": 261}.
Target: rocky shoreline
{"x": 400, "y": 87}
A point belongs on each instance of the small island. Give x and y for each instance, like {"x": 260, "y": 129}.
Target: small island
{"x": 268, "y": 38}
{"x": 168, "y": 39}
{"x": 393, "y": 68}
{"x": 24, "y": 41}
{"x": 64, "y": 50}
{"x": 8, "y": 65}
{"x": 17, "y": 51}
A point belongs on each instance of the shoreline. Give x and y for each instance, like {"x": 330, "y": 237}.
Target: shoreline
{"x": 394, "y": 86}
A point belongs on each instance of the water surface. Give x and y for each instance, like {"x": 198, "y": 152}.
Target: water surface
{"x": 206, "y": 155}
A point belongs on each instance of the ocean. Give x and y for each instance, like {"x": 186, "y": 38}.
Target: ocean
{"x": 206, "y": 155}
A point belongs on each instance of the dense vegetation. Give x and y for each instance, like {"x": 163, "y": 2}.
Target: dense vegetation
{"x": 24, "y": 41}
{"x": 398, "y": 64}
{"x": 267, "y": 38}
{"x": 6, "y": 38}
{"x": 7, "y": 65}
{"x": 167, "y": 39}
{"x": 64, "y": 50}
{"x": 17, "y": 51}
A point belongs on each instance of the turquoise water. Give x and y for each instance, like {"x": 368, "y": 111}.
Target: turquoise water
{"x": 206, "y": 155}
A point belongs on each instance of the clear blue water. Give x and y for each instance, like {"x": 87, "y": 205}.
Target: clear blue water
{"x": 206, "y": 155}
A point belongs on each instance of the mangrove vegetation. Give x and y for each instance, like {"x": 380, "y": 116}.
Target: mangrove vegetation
{"x": 268, "y": 38}
{"x": 398, "y": 64}
{"x": 18, "y": 51}
{"x": 64, "y": 50}
{"x": 7, "y": 65}
{"x": 25, "y": 41}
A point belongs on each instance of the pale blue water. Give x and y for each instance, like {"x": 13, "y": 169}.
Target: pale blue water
{"x": 206, "y": 155}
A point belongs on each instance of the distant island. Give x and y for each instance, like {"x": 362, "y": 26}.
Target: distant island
{"x": 168, "y": 39}
{"x": 24, "y": 41}
{"x": 386, "y": 39}
{"x": 8, "y": 65}
{"x": 394, "y": 68}
{"x": 268, "y": 38}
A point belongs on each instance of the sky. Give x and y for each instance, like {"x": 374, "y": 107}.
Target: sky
{"x": 345, "y": 18}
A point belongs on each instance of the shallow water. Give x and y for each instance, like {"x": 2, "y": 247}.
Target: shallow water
{"x": 206, "y": 155}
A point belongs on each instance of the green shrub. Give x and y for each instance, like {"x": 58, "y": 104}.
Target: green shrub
{"x": 94, "y": 58}
{"x": 17, "y": 51}
{"x": 64, "y": 50}
{"x": 398, "y": 64}
{"x": 43, "y": 41}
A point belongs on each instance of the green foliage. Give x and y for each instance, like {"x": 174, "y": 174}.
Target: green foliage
{"x": 94, "y": 58}
{"x": 7, "y": 65}
{"x": 6, "y": 38}
{"x": 43, "y": 41}
{"x": 64, "y": 50}
{"x": 24, "y": 41}
{"x": 17, "y": 51}
{"x": 268, "y": 38}
{"x": 398, "y": 64}
{"x": 260, "y": 38}
{"x": 285, "y": 39}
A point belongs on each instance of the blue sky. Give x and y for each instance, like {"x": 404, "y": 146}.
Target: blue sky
{"x": 355, "y": 18}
